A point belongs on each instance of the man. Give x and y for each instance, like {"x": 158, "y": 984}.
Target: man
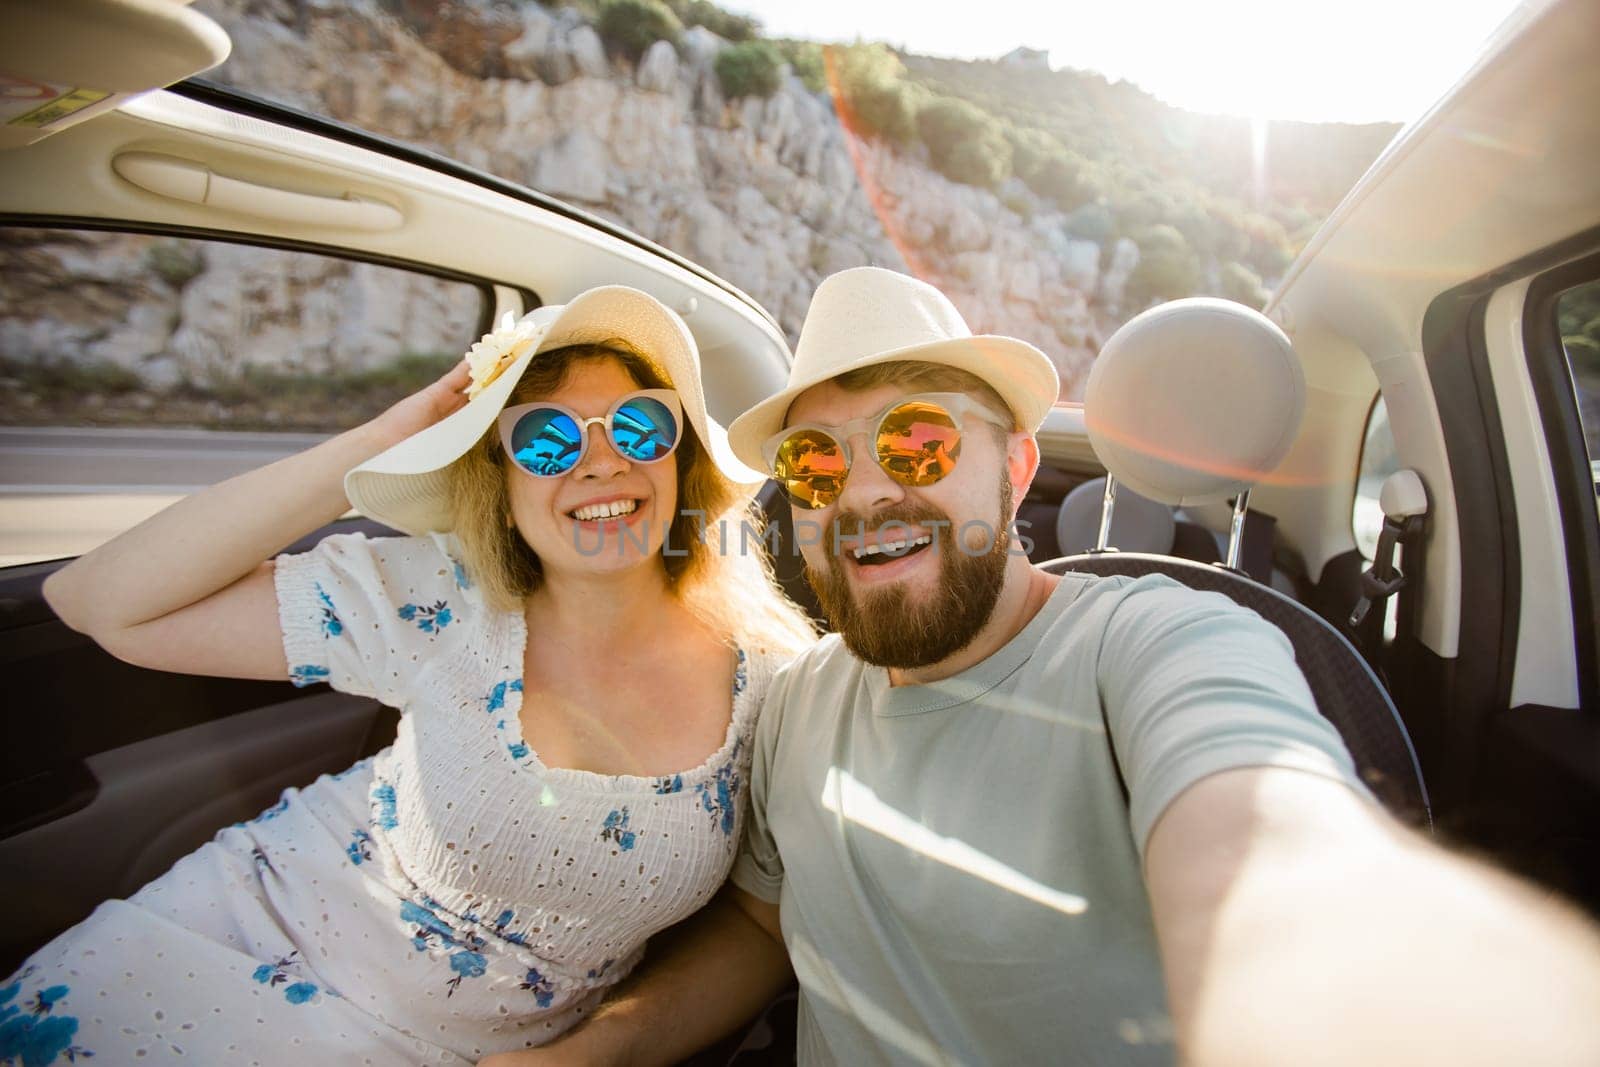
{"x": 938, "y": 833}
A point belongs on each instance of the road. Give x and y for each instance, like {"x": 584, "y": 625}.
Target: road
{"x": 64, "y": 490}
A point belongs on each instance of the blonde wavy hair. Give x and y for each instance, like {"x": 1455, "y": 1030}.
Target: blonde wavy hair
{"x": 735, "y": 594}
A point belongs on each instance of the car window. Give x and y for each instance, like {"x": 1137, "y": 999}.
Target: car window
{"x": 1578, "y": 318}
{"x": 1378, "y": 461}
{"x": 139, "y": 367}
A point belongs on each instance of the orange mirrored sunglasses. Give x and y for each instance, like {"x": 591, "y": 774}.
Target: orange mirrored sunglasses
{"x": 916, "y": 440}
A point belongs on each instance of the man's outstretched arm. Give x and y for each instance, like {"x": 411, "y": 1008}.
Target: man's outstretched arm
{"x": 698, "y": 982}
{"x": 1300, "y": 924}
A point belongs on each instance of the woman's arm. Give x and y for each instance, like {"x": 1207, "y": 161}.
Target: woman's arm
{"x": 190, "y": 589}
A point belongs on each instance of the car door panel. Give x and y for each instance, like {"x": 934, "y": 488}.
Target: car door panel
{"x": 109, "y": 773}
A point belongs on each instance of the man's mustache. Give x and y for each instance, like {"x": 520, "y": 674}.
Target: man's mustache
{"x": 850, "y": 527}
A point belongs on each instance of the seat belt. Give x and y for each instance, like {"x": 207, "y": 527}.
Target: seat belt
{"x": 1405, "y": 505}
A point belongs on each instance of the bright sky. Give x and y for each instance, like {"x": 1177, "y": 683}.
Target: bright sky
{"x": 1317, "y": 60}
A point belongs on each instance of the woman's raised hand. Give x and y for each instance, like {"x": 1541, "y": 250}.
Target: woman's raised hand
{"x": 426, "y": 406}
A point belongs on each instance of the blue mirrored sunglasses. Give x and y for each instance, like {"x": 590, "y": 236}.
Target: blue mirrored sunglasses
{"x": 547, "y": 440}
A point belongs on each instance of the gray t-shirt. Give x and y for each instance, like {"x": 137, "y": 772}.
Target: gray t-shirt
{"x": 957, "y": 873}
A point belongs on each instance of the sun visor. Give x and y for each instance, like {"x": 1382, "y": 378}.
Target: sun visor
{"x": 64, "y": 61}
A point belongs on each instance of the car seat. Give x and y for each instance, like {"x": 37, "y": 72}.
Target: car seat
{"x": 1195, "y": 401}
{"x": 1138, "y": 524}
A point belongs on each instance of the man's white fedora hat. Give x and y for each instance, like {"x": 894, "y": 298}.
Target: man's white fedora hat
{"x": 868, "y": 315}
{"x": 405, "y": 487}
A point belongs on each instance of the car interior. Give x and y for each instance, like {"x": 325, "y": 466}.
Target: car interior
{"x": 1467, "y": 684}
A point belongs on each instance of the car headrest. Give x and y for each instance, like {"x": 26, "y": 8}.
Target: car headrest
{"x": 1194, "y": 400}
{"x": 1137, "y": 525}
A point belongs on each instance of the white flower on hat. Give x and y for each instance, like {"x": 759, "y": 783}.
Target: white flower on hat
{"x": 498, "y": 349}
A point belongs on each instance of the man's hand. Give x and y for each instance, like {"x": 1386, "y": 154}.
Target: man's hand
{"x": 699, "y": 981}
{"x": 1300, "y": 924}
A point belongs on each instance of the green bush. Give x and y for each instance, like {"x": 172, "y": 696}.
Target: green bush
{"x": 1018, "y": 203}
{"x": 1241, "y": 283}
{"x": 947, "y": 121}
{"x": 1139, "y": 206}
{"x": 175, "y": 262}
{"x": 1030, "y": 147}
{"x": 1092, "y": 222}
{"x": 724, "y": 24}
{"x": 71, "y": 379}
{"x": 1578, "y": 311}
{"x": 888, "y": 110}
{"x": 964, "y": 143}
{"x": 1270, "y": 251}
{"x": 1168, "y": 268}
{"x": 805, "y": 58}
{"x": 1190, "y": 218}
{"x": 1578, "y": 319}
{"x": 985, "y": 163}
{"x": 882, "y": 104}
{"x": 862, "y": 63}
{"x": 631, "y": 26}
{"x": 753, "y": 68}
{"x": 876, "y": 98}
{"x": 1061, "y": 177}
{"x": 369, "y": 389}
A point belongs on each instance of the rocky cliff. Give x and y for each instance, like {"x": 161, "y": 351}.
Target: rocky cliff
{"x": 772, "y": 194}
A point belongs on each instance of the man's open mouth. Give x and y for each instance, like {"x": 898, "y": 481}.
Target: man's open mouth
{"x": 888, "y": 551}
{"x": 610, "y": 510}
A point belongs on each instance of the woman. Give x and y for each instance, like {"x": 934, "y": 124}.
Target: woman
{"x": 563, "y": 648}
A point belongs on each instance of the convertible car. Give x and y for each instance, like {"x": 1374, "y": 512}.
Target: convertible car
{"x": 1441, "y": 484}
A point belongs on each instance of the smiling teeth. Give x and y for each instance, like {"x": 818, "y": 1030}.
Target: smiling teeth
{"x": 891, "y": 546}
{"x": 590, "y": 512}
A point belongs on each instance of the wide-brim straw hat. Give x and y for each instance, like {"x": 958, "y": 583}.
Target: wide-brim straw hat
{"x": 405, "y": 487}
{"x": 867, "y": 315}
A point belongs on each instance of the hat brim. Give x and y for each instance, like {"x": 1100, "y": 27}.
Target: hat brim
{"x": 1023, "y": 376}
{"x": 405, "y": 487}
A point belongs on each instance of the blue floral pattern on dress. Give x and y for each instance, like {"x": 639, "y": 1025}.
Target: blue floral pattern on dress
{"x": 462, "y": 581}
{"x": 41, "y": 1035}
{"x": 387, "y": 815}
{"x": 503, "y": 921}
{"x": 38, "y": 1037}
{"x": 741, "y": 674}
{"x": 360, "y": 847}
{"x": 273, "y": 975}
{"x": 673, "y": 784}
{"x": 544, "y": 994}
{"x": 273, "y": 812}
{"x": 518, "y": 751}
{"x": 331, "y": 626}
{"x": 308, "y": 674}
{"x": 717, "y": 795}
{"x": 466, "y": 961}
{"x": 430, "y": 619}
{"x": 300, "y": 992}
{"x": 496, "y": 700}
{"x": 616, "y": 829}
{"x": 428, "y": 925}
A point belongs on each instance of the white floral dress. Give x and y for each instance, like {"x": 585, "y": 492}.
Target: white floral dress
{"x": 448, "y": 898}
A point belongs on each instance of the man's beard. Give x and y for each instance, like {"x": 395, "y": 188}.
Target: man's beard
{"x": 891, "y": 628}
